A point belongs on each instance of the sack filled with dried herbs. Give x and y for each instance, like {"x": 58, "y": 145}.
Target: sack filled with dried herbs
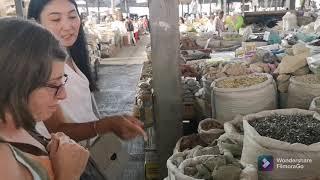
{"x": 289, "y": 134}
{"x": 302, "y": 90}
{"x": 210, "y": 130}
{"x": 243, "y": 95}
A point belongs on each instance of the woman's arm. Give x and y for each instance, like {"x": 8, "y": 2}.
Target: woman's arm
{"x": 9, "y": 167}
{"x": 125, "y": 127}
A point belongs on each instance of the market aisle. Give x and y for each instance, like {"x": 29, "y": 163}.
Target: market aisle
{"x": 118, "y": 78}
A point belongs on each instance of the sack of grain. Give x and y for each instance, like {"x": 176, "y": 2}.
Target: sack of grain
{"x": 290, "y": 135}
{"x": 243, "y": 95}
{"x": 215, "y": 167}
{"x": 290, "y": 64}
{"x": 302, "y": 90}
{"x": 173, "y": 163}
{"x": 210, "y": 130}
{"x": 283, "y": 81}
{"x": 230, "y": 143}
{"x": 235, "y": 126}
{"x": 189, "y": 142}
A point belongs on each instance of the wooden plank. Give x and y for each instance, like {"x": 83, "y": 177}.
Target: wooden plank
{"x": 164, "y": 17}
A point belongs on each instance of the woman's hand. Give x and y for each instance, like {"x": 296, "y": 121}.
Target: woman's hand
{"x": 68, "y": 158}
{"x": 126, "y": 127}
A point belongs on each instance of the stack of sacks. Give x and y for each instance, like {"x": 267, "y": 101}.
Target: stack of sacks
{"x": 295, "y": 65}
{"x": 221, "y": 69}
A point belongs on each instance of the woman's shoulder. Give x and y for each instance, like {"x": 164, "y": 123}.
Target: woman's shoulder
{"x": 11, "y": 169}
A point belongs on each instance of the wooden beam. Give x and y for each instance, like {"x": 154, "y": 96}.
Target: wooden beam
{"x": 19, "y": 9}
{"x": 164, "y": 18}
{"x": 210, "y": 8}
{"x": 98, "y": 5}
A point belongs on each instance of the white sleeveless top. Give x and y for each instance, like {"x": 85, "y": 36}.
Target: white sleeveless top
{"x": 77, "y": 107}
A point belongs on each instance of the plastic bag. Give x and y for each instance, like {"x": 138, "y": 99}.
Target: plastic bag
{"x": 274, "y": 38}
{"x": 314, "y": 63}
{"x": 289, "y": 21}
{"x": 315, "y": 105}
{"x": 306, "y": 37}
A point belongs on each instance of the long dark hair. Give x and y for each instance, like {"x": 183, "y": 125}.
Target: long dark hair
{"x": 25, "y": 65}
{"x": 78, "y": 51}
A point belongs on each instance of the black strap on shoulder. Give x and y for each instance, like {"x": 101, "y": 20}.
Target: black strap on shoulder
{"x": 28, "y": 148}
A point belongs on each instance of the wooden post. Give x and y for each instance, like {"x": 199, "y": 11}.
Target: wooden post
{"x": 182, "y": 10}
{"x": 292, "y": 5}
{"x": 19, "y": 9}
{"x": 242, "y": 8}
{"x": 126, "y": 8}
{"x": 87, "y": 7}
{"x": 303, "y": 2}
{"x": 210, "y": 8}
{"x": 99, "y": 18}
{"x": 164, "y": 20}
{"x": 112, "y": 6}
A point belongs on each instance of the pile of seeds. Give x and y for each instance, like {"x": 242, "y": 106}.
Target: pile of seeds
{"x": 191, "y": 141}
{"x": 295, "y": 128}
{"x": 211, "y": 125}
{"x": 241, "y": 82}
{"x": 309, "y": 79}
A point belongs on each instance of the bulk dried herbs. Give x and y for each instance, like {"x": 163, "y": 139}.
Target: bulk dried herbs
{"x": 304, "y": 129}
{"x": 241, "y": 82}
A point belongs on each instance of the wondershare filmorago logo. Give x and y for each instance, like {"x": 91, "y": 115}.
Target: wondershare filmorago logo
{"x": 265, "y": 163}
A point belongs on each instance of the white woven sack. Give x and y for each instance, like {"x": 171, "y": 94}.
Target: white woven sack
{"x": 172, "y": 168}
{"x": 248, "y": 173}
{"x": 255, "y": 145}
{"x": 210, "y": 135}
{"x": 229, "y": 102}
{"x": 301, "y": 94}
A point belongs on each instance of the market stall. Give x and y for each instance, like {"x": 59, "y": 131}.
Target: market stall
{"x": 243, "y": 81}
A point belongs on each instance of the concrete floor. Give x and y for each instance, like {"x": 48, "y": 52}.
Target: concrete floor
{"x": 118, "y": 78}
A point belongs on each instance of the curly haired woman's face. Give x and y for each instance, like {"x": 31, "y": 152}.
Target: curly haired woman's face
{"x": 60, "y": 17}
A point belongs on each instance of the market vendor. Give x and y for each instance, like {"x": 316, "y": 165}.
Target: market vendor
{"x": 218, "y": 23}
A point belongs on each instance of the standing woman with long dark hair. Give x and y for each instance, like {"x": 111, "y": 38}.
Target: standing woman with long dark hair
{"x": 76, "y": 116}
